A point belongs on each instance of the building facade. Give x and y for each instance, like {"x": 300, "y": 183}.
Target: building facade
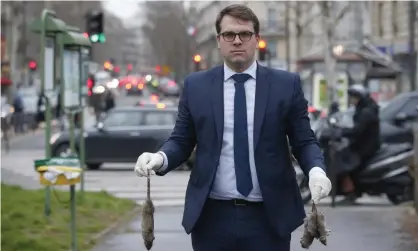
{"x": 390, "y": 33}
{"x": 272, "y": 29}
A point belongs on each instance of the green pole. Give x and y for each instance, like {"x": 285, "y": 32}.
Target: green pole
{"x": 72, "y": 135}
{"x": 72, "y": 187}
{"x": 45, "y": 14}
{"x": 73, "y": 215}
{"x": 83, "y": 76}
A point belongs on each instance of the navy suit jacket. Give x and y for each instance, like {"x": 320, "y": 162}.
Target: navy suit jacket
{"x": 280, "y": 112}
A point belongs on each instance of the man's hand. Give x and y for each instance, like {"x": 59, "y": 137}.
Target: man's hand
{"x": 319, "y": 184}
{"x": 148, "y": 162}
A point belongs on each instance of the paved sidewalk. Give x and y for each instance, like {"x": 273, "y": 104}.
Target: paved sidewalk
{"x": 367, "y": 228}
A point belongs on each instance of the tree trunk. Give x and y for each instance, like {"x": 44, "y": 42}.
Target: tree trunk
{"x": 329, "y": 59}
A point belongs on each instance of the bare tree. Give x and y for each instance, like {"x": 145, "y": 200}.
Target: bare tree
{"x": 331, "y": 16}
{"x": 166, "y": 29}
{"x": 73, "y": 13}
{"x": 12, "y": 18}
{"x": 302, "y": 17}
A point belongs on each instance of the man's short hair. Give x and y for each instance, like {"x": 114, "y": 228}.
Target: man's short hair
{"x": 239, "y": 11}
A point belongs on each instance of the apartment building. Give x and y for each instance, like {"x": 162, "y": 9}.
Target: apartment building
{"x": 390, "y": 33}
{"x": 271, "y": 25}
{"x": 390, "y": 21}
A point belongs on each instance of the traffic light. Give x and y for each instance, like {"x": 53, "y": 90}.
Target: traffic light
{"x": 32, "y": 65}
{"x": 90, "y": 85}
{"x": 262, "y": 50}
{"x": 129, "y": 67}
{"x": 197, "y": 59}
{"x": 95, "y": 25}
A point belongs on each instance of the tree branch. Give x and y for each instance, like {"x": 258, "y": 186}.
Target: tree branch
{"x": 301, "y": 25}
{"x": 342, "y": 13}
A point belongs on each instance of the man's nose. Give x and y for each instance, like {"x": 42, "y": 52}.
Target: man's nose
{"x": 237, "y": 40}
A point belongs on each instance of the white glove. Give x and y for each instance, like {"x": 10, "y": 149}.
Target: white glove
{"x": 319, "y": 184}
{"x": 148, "y": 162}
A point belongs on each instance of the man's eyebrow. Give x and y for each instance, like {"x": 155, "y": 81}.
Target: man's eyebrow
{"x": 237, "y": 31}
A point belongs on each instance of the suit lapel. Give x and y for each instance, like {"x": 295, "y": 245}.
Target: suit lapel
{"x": 218, "y": 100}
{"x": 261, "y": 98}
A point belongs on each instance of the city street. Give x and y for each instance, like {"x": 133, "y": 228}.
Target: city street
{"x": 370, "y": 226}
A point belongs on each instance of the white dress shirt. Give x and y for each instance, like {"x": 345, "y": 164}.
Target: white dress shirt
{"x": 224, "y": 185}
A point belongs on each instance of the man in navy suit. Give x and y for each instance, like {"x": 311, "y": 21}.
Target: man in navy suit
{"x": 242, "y": 193}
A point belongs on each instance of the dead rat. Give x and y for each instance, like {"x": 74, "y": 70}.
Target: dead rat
{"x": 314, "y": 228}
{"x": 148, "y": 217}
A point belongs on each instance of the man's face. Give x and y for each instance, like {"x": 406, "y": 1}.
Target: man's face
{"x": 235, "y": 51}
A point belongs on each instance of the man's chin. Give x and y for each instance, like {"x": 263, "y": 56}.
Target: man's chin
{"x": 238, "y": 61}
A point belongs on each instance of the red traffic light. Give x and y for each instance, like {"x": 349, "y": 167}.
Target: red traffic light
{"x": 32, "y": 65}
{"x": 90, "y": 83}
{"x": 197, "y": 58}
{"x": 158, "y": 68}
{"x": 85, "y": 34}
{"x": 129, "y": 67}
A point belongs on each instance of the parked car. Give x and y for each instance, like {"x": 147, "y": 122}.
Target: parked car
{"x": 396, "y": 119}
{"x": 121, "y": 136}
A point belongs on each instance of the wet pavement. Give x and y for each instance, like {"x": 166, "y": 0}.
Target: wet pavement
{"x": 361, "y": 228}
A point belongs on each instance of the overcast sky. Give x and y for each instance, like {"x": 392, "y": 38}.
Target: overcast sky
{"x": 126, "y": 8}
{"x": 122, "y": 8}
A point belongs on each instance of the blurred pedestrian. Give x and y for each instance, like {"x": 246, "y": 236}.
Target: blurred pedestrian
{"x": 109, "y": 100}
{"x": 242, "y": 194}
{"x": 18, "y": 115}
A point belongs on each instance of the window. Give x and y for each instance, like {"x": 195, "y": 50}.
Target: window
{"x": 272, "y": 47}
{"x": 411, "y": 107}
{"x": 380, "y": 18}
{"x": 394, "y": 18}
{"x": 392, "y": 108}
{"x": 122, "y": 119}
{"x": 271, "y": 18}
{"x": 159, "y": 118}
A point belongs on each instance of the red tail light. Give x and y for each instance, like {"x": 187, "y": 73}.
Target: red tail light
{"x": 171, "y": 84}
{"x": 154, "y": 97}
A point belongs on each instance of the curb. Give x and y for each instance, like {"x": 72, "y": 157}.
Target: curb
{"x": 115, "y": 226}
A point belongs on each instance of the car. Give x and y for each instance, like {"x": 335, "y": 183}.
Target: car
{"x": 396, "y": 118}
{"x": 402, "y": 110}
{"x": 169, "y": 87}
{"x": 121, "y": 136}
{"x": 134, "y": 85}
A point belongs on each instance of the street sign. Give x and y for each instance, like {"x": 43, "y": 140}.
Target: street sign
{"x": 49, "y": 66}
{"x": 71, "y": 78}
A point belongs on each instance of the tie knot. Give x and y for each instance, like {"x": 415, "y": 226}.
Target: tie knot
{"x": 241, "y": 78}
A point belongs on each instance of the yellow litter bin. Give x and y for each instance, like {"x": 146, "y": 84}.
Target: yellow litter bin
{"x": 58, "y": 171}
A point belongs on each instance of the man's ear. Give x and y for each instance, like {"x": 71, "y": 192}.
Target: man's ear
{"x": 257, "y": 38}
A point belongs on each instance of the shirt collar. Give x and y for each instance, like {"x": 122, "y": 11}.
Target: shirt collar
{"x": 252, "y": 71}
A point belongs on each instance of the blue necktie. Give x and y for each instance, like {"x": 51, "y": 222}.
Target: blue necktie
{"x": 241, "y": 149}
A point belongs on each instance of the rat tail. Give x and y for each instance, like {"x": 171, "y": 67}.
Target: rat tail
{"x": 149, "y": 186}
